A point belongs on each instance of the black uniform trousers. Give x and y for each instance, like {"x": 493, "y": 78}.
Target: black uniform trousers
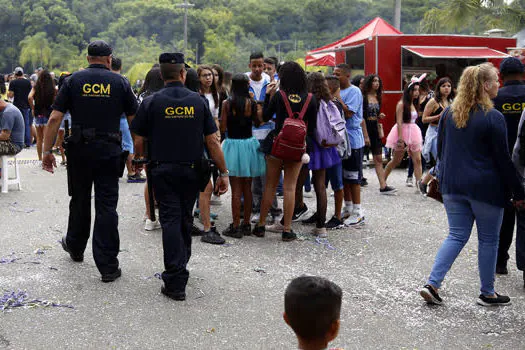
{"x": 510, "y": 216}
{"x": 175, "y": 187}
{"x": 95, "y": 163}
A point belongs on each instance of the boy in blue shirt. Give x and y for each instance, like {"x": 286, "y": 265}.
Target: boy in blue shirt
{"x": 351, "y": 100}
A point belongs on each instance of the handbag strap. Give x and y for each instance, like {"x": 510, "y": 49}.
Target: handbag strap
{"x": 289, "y": 108}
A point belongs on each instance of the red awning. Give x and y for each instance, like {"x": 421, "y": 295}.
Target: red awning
{"x": 455, "y": 52}
{"x": 321, "y": 60}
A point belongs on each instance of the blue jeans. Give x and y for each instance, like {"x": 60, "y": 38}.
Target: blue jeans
{"x": 462, "y": 211}
{"x": 28, "y": 121}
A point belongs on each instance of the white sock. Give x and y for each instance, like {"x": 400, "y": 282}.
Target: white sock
{"x": 357, "y": 208}
{"x": 349, "y": 206}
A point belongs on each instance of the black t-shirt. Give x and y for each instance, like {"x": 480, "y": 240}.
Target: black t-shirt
{"x": 511, "y": 102}
{"x": 276, "y": 106}
{"x": 240, "y": 126}
{"x": 96, "y": 98}
{"x": 21, "y": 87}
{"x": 174, "y": 120}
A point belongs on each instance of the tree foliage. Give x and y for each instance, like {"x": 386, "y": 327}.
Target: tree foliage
{"x": 55, "y": 33}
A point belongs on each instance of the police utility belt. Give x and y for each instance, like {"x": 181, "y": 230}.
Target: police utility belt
{"x": 204, "y": 168}
{"x": 81, "y": 135}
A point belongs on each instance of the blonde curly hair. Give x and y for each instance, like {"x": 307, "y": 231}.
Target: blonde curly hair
{"x": 471, "y": 93}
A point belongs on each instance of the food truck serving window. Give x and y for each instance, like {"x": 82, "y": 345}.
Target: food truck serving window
{"x": 444, "y": 60}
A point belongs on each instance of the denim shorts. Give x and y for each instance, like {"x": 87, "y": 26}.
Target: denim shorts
{"x": 41, "y": 121}
{"x": 67, "y": 116}
{"x": 334, "y": 176}
{"x": 127, "y": 141}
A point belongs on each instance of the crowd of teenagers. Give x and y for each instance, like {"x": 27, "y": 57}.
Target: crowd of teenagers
{"x": 323, "y": 126}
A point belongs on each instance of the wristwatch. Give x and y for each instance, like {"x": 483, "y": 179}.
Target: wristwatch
{"x": 46, "y": 153}
{"x": 225, "y": 174}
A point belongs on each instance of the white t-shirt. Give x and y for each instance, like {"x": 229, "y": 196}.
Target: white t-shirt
{"x": 214, "y": 109}
{"x": 257, "y": 86}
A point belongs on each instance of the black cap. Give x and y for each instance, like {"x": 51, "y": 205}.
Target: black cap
{"x": 173, "y": 58}
{"x": 99, "y": 48}
{"x": 511, "y": 65}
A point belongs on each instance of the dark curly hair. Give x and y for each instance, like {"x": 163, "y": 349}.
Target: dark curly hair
{"x": 318, "y": 86}
{"x": 292, "y": 78}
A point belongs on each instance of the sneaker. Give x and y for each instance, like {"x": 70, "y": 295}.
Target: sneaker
{"x": 387, "y": 190}
{"x": 364, "y": 182}
{"x": 197, "y": 213}
{"x": 258, "y": 231}
{"x": 308, "y": 194}
{"x": 288, "y": 236}
{"x": 498, "y": 300}
{"x": 356, "y": 219}
{"x": 110, "y": 277}
{"x": 320, "y": 232}
{"x": 346, "y": 213}
{"x": 430, "y": 295}
{"x": 255, "y": 218}
{"x": 246, "y": 229}
{"x": 212, "y": 237}
{"x": 152, "y": 225}
{"x": 275, "y": 227}
{"x": 215, "y": 200}
{"x": 195, "y": 231}
{"x": 409, "y": 182}
{"x": 234, "y": 232}
{"x": 136, "y": 178}
{"x": 298, "y": 214}
{"x": 334, "y": 224}
{"x": 422, "y": 187}
{"x": 311, "y": 220}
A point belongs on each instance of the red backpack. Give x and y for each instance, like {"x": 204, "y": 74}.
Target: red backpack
{"x": 290, "y": 144}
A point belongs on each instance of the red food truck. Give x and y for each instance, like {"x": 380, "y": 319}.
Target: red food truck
{"x": 379, "y": 48}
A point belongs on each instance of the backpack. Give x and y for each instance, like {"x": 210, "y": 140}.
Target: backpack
{"x": 290, "y": 143}
{"x": 331, "y": 127}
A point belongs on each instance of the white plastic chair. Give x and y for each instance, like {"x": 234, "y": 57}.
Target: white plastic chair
{"x": 5, "y": 180}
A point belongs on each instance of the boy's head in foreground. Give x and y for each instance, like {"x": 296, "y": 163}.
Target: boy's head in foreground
{"x": 312, "y": 307}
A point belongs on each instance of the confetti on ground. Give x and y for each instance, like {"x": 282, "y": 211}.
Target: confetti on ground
{"x": 9, "y": 260}
{"x": 259, "y": 269}
{"x": 324, "y": 242}
{"x": 20, "y": 299}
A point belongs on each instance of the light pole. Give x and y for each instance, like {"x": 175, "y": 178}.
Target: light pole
{"x": 185, "y": 6}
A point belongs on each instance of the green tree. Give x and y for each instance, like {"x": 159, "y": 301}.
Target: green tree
{"x": 35, "y": 50}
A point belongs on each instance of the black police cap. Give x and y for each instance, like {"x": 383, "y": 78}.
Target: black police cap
{"x": 99, "y": 48}
{"x": 173, "y": 58}
{"x": 511, "y": 65}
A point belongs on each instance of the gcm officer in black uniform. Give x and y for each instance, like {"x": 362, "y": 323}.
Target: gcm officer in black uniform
{"x": 176, "y": 122}
{"x": 510, "y": 102}
{"x": 96, "y": 98}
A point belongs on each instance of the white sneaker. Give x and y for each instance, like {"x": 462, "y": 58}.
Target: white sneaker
{"x": 255, "y": 218}
{"x": 152, "y": 225}
{"x": 346, "y": 213}
{"x": 215, "y": 200}
{"x": 320, "y": 232}
{"x": 275, "y": 227}
{"x": 308, "y": 194}
{"x": 409, "y": 182}
{"x": 356, "y": 219}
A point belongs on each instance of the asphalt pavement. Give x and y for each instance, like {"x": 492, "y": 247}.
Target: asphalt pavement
{"x": 235, "y": 291}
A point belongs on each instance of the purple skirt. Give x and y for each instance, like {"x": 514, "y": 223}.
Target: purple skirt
{"x": 323, "y": 158}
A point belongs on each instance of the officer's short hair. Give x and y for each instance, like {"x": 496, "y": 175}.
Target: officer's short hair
{"x": 116, "y": 63}
{"x": 171, "y": 71}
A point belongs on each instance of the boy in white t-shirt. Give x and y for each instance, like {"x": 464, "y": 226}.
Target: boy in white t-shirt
{"x": 258, "y": 83}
